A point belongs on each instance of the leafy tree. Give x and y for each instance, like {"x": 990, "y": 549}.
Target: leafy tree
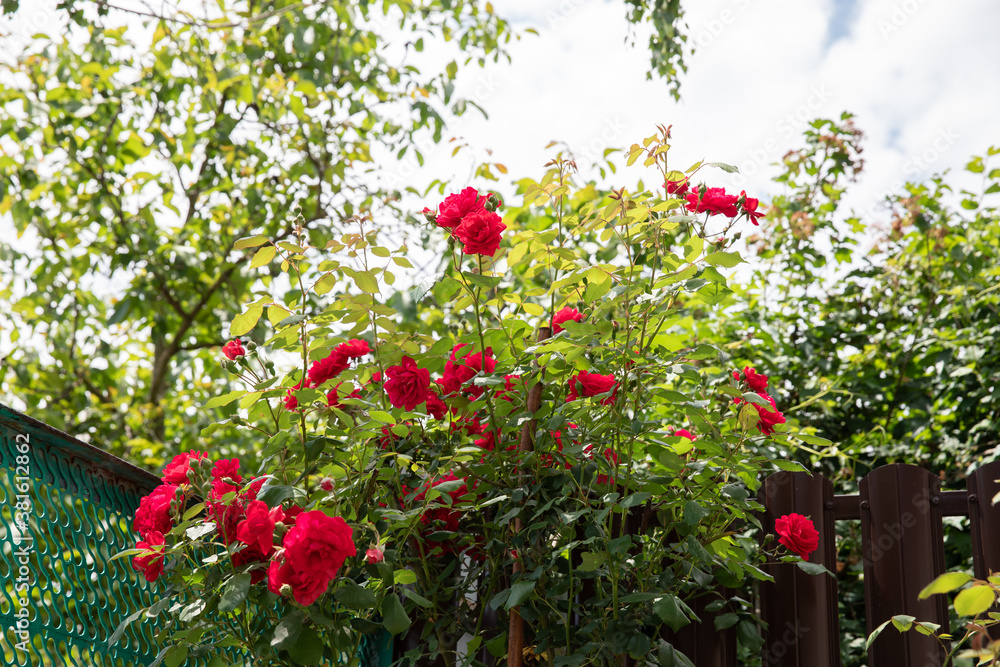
{"x": 141, "y": 163}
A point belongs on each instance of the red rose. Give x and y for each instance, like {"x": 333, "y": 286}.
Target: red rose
{"x": 439, "y": 515}
{"x": 798, "y": 533}
{"x": 257, "y": 529}
{"x": 153, "y": 515}
{"x": 591, "y": 384}
{"x": 767, "y": 418}
{"x": 291, "y": 402}
{"x": 233, "y": 349}
{"x": 480, "y": 232}
{"x": 374, "y": 556}
{"x": 683, "y": 433}
{"x": 328, "y": 367}
{"x": 750, "y": 208}
{"x": 565, "y": 315}
{"x": 756, "y": 381}
{"x": 678, "y": 188}
{"x": 435, "y": 406}
{"x": 510, "y": 383}
{"x": 713, "y": 201}
{"x": 609, "y": 456}
{"x": 407, "y": 384}
{"x": 176, "y": 472}
{"x": 333, "y": 397}
{"x": 150, "y": 563}
{"x": 314, "y": 550}
{"x": 227, "y": 469}
{"x": 457, "y": 206}
{"x": 458, "y": 372}
{"x": 337, "y": 361}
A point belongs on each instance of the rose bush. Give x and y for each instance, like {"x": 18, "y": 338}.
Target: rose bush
{"x": 520, "y": 444}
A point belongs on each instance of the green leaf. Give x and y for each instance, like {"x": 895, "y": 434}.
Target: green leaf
{"x": 723, "y": 621}
{"x": 902, "y": 622}
{"x": 670, "y": 612}
{"x": 353, "y": 596}
{"x": 875, "y": 633}
{"x": 394, "y": 617}
{"x": 974, "y": 601}
{"x": 519, "y": 592}
{"x": 234, "y": 592}
{"x": 263, "y": 256}
{"x": 288, "y": 629}
{"x": 176, "y": 656}
{"x": 366, "y": 281}
{"x": 308, "y": 648}
{"x": 591, "y": 561}
{"x": 725, "y": 259}
{"x": 225, "y": 399}
{"x": 250, "y": 242}
{"x": 812, "y": 568}
{"x": 946, "y": 583}
{"x": 419, "y": 599}
{"x": 244, "y": 322}
{"x": 404, "y": 577}
{"x": 693, "y": 513}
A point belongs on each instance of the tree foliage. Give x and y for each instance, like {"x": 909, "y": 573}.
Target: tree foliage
{"x": 142, "y": 163}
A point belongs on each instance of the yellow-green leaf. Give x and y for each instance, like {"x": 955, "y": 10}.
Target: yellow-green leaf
{"x": 263, "y": 256}
{"x": 366, "y": 281}
{"x": 946, "y": 583}
{"x": 974, "y": 601}
{"x": 251, "y": 242}
{"x": 325, "y": 284}
{"x": 276, "y": 313}
{"x": 724, "y": 259}
{"x": 244, "y": 322}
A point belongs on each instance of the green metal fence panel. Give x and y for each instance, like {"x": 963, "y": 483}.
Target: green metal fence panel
{"x": 66, "y": 508}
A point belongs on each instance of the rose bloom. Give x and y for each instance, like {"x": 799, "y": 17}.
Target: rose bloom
{"x": 233, "y": 349}
{"x": 592, "y": 384}
{"x": 457, "y": 206}
{"x": 798, "y": 533}
{"x": 750, "y": 208}
{"x": 678, "y": 188}
{"x": 337, "y": 361}
{"x": 333, "y": 397}
{"x": 565, "y": 315}
{"x": 407, "y": 385}
{"x": 480, "y": 233}
{"x": 767, "y": 419}
{"x": 713, "y": 201}
{"x": 756, "y": 381}
{"x": 314, "y": 550}
{"x": 257, "y": 529}
{"x": 150, "y": 564}
{"x": 176, "y": 472}
{"x": 153, "y": 515}
{"x": 435, "y": 406}
{"x": 374, "y": 556}
{"x": 459, "y": 371}
{"x": 684, "y": 433}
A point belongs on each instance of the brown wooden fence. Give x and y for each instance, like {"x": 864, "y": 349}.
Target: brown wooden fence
{"x": 901, "y": 508}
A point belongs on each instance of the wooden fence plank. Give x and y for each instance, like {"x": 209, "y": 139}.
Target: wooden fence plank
{"x": 984, "y": 525}
{"x": 801, "y": 609}
{"x": 903, "y": 552}
{"x": 701, "y": 642}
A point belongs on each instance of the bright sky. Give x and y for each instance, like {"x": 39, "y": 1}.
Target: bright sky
{"x": 922, "y": 77}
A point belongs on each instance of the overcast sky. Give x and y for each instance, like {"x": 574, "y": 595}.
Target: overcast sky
{"x": 922, "y": 77}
